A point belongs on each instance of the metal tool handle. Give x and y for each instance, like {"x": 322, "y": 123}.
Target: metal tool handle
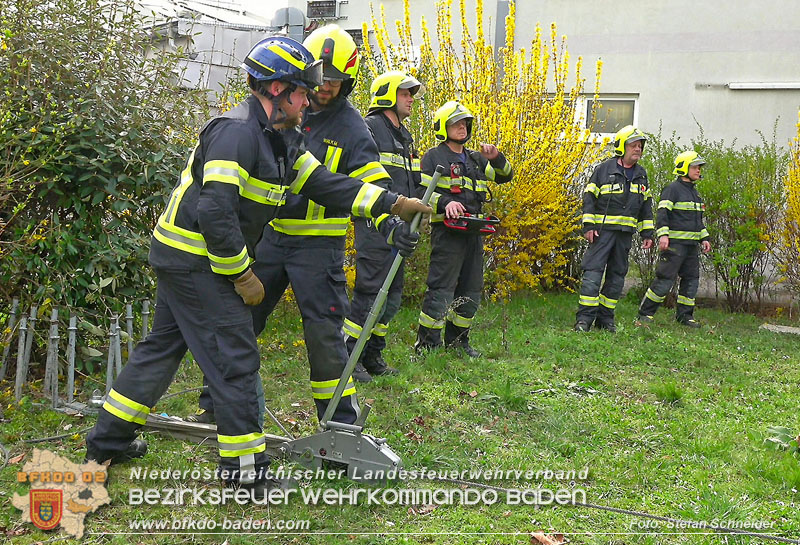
{"x": 377, "y": 305}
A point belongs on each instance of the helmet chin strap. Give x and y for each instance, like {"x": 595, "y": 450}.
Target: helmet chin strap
{"x": 461, "y": 141}
{"x": 277, "y": 115}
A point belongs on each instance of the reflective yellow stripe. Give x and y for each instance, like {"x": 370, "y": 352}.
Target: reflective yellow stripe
{"x": 351, "y": 328}
{"x": 665, "y": 204}
{"x": 324, "y": 389}
{"x": 662, "y": 231}
{"x": 366, "y": 198}
{"x": 125, "y": 408}
{"x": 627, "y": 221}
{"x": 444, "y": 183}
{"x": 229, "y": 265}
{"x": 177, "y": 194}
{"x": 611, "y": 189}
{"x": 227, "y": 172}
{"x": 685, "y": 235}
{"x": 371, "y": 172}
{"x": 592, "y": 188}
{"x": 646, "y": 224}
{"x": 589, "y": 301}
{"x": 232, "y": 446}
{"x": 329, "y": 227}
{"x": 688, "y": 205}
{"x": 430, "y": 322}
{"x": 180, "y": 239}
{"x": 305, "y": 165}
{"x": 332, "y": 157}
{"x": 653, "y": 296}
{"x": 262, "y": 192}
{"x": 297, "y": 63}
{"x": 489, "y": 172}
{"x": 683, "y": 300}
{"x": 380, "y": 330}
{"x": 458, "y": 320}
{"x": 704, "y": 233}
{"x": 588, "y": 218}
{"x": 606, "y": 302}
{"x": 506, "y": 170}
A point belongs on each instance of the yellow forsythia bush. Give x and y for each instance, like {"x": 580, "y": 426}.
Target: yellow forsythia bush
{"x": 790, "y": 252}
{"x": 523, "y": 104}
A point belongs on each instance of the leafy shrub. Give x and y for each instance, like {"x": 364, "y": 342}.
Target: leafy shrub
{"x": 94, "y": 131}
{"x": 743, "y": 192}
{"x": 788, "y": 252}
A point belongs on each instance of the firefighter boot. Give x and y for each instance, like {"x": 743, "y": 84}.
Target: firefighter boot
{"x": 375, "y": 364}
{"x": 136, "y": 449}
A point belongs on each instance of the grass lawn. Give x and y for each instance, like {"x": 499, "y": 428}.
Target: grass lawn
{"x": 667, "y": 420}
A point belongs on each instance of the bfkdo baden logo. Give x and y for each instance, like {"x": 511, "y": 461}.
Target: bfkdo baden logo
{"x": 46, "y": 508}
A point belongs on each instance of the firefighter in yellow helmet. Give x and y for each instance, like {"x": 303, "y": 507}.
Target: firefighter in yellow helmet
{"x": 455, "y": 276}
{"x": 392, "y": 96}
{"x": 245, "y": 163}
{"x": 616, "y": 202}
{"x": 304, "y": 244}
{"x": 681, "y": 234}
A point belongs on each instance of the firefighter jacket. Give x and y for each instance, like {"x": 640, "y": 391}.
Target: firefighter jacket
{"x": 235, "y": 179}
{"x": 680, "y": 213}
{"x": 337, "y": 136}
{"x": 612, "y": 202}
{"x": 397, "y": 154}
{"x": 465, "y": 178}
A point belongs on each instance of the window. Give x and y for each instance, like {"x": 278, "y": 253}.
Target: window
{"x": 612, "y": 114}
{"x": 325, "y": 9}
{"x": 358, "y": 36}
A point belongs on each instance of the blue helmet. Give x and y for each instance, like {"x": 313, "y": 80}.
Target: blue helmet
{"x": 284, "y": 59}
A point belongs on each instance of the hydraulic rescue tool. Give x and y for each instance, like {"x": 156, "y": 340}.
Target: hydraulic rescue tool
{"x": 474, "y": 223}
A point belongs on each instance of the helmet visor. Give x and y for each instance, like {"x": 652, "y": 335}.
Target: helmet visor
{"x": 413, "y": 85}
{"x": 311, "y": 75}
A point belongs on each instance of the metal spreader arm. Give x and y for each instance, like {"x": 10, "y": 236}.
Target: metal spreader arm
{"x": 377, "y": 306}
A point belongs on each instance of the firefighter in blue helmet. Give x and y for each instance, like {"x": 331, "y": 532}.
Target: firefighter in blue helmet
{"x": 304, "y": 245}
{"x": 455, "y": 276}
{"x": 244, "y": 165}
{"x": 681, "y": 234}
{"x": 616, "y": 202}
{"x": 392, "y": 95}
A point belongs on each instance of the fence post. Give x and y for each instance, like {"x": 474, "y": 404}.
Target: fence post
{"x": 129, "y": 328}
{"x": 73, "y": 321}
{"x": 110, "y": 365}
{"x": 22, "y": 369}
{"x": 29, "y": 337}
{"x": 51, "y": 350}
{"x": 145, "y": 318}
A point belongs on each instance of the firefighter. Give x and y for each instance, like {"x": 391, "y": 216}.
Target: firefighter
{"x": 304, "y": 244}
{"x": 245, "y": 163}
{"x": 392, "y": 96}
{"x": 456, "y": 266}
{"x": 681, "y": 233}
{"x": 616, "y": 202}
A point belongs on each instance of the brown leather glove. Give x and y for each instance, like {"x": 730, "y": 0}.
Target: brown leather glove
{"x": 249, "y": 288}
{"x": 407, "y": 208}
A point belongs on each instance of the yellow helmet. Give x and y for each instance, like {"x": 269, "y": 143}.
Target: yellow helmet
{"x": 339, "y": 55}
{"x": 383, "y": 91}
{"x": 685, "y": 160}
{"x": 448, "y": 114}
{"x": 625, "y": 135}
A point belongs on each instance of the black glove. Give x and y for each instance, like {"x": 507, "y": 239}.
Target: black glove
{"x": 398, "y": 234}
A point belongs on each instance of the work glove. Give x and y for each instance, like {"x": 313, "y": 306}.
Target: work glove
{"x": 398, "y": 234}
{"x": 407, "y": 208}
{"x": 249, "y": 288}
